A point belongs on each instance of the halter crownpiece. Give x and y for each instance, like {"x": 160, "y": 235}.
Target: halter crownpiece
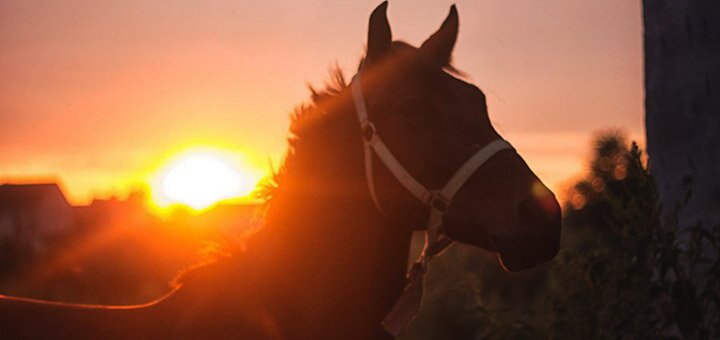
{"x": 439, "y": 201}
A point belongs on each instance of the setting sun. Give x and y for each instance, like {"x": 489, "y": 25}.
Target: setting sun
{"x": 200, "y": 179}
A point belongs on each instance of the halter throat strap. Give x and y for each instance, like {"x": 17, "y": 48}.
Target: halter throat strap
{"x": 439, "y": 202}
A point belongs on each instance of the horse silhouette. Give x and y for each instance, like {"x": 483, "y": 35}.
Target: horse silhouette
{"x": 328, "y": 264}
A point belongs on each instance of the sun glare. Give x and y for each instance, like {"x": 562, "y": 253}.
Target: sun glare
{"x": 201, "y": 179}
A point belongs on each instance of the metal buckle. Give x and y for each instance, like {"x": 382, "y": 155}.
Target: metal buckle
{"x": 368, "y": 130}
{"x": 439, "y": 203}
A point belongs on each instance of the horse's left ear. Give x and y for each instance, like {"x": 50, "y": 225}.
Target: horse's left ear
{"x": 440, "y": 45}
{"x": 379, "y": 35}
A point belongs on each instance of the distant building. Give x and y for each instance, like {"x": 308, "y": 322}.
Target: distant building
{"x": 131, "y": 212}
{"x": 32, "y": 214}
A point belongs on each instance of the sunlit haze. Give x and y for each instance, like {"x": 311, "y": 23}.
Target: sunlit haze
{"x": 94, "y": 94}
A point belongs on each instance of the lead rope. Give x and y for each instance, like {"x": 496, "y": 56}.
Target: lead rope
{"x": 409, "y": 303}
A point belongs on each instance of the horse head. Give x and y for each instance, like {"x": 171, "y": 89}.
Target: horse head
{"x": 433, "y": 122}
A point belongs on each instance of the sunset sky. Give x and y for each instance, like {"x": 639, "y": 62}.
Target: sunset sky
{"x": 99, "y": 94}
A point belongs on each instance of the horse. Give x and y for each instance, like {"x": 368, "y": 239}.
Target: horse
{"x": 331, "y": 259}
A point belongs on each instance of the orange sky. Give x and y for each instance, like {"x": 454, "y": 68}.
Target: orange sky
{"x": 98, "y": 93}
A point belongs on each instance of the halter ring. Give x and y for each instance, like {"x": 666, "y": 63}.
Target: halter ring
{"x": 368, "y": 130}
{"x": 439, "y": 203}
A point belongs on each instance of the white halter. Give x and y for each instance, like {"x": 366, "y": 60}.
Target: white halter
{"x": 438, "y": 200}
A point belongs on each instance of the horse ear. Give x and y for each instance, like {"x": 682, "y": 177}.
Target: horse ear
{"x": 379, "y": 36}
{"x": 442, "y": 42}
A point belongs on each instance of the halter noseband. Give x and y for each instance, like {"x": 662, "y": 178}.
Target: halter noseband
{"x": 439, "y": 202}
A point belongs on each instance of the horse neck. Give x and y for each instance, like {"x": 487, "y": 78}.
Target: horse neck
{"x": 324, "y": 239}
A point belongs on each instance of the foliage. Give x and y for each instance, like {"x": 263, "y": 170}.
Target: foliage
{"x": 622, "y": 273}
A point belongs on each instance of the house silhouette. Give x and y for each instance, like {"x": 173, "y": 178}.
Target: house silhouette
{"x": 32, "y": 214}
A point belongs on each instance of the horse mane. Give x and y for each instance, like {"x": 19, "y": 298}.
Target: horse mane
{"x": 305, "y": 123}
{"x": 302, "y": 124}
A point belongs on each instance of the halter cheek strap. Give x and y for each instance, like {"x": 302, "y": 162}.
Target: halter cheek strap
{"x": 439, "y": 201}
